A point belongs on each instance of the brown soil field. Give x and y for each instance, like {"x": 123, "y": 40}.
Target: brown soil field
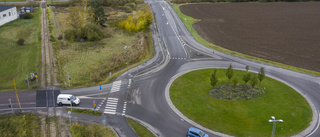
{"x": 288, "y": 33}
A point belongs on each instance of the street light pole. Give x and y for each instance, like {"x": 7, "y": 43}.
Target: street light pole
{"x": 126, "y": 47}
{"x": 273, "y": 119}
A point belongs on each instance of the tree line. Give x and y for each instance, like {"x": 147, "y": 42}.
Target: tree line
{"x": 246, "y": 77}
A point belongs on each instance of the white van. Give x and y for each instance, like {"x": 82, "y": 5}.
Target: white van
{"x": 66, "y": 99}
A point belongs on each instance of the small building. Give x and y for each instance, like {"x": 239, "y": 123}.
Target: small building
{"x": 7, "y": 13}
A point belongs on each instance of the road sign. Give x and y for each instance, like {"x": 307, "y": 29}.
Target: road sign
{"x": 95, "y": 108}
{"x": 213, "y": 52}
{"x": 100, "y": 87}
{"x": 69, "y": 112}
{"x": 36, "y": 76}
{"x": 94, "y": 105}
{"x": 145, "y": 62}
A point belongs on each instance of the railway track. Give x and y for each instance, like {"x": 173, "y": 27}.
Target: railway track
{"x": 48, "y": 77}
{"x": 51, "y": 120}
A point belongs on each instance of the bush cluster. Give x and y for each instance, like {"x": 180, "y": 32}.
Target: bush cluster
{"x": 139, "y": 23}
{"x": 27, "y": 15}
{"x": 89, "y": 32}
{"x": 20, "y": 41}
{"x": 239, "y": 92}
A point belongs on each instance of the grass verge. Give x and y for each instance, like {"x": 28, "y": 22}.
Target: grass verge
{"x": 13, "y": 125}
{"x": 85, "y": 111}
{"x": 190, "y": 94}
{"x": 92, "y": 130}
{"x": 188, "y": 21}
{"x": 19, "y": 61}
{"x": 139, "y": 129}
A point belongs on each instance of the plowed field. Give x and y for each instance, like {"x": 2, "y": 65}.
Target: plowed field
{"x": 288, "y": 33}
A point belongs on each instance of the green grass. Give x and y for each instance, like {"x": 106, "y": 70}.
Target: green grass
{"x": 19, "y": 61}
{"x": 139, "y": 129}
{"x": 13, "y": 125}
{"x": 190, "y": 94}
{"x": 85, "y": 111}
{"x": 92, "y": 130}
{"x": 188, "y": 23}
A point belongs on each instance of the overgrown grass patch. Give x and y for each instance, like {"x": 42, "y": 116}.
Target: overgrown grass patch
{"x": 92, "y": 130}
{"x": 89, "y": 63}
{"x": 188, "y": 21}
{"x": 19, "y": 61}
{"x": 190, "y": 94}
{"x": 139, "y": 129}
{"x": 85, "y": 111}
{"x": 13, "y": 125}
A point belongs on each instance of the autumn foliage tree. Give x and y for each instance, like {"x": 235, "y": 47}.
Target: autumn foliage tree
{"x": 139, "y": 22}
{"x": 80, "y": 20}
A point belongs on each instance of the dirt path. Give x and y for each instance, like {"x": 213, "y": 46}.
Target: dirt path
{"x": 48, "y": 71}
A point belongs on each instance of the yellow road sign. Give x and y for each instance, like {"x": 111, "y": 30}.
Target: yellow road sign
{"x": 36, "y": 76}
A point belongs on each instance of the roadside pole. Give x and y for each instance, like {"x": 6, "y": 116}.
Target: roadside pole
{"x": 71, "y": 103}
{"x": 10, "y": 104}
{"x": 94, "y": 106}
{"x": 100, "y": 89}
{"x": 69, "y": 79}
{"x": 28, "y": 82}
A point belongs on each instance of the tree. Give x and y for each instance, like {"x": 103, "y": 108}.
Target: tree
{"x": 247, "y": 68}
{"x": 229, "y": 73}
{"x": 214, "y": 79}
{"x": 80, "y": 14}
{"x": 261, "y": 75}
{"x": 235, "y": 82}
{"x": 246, "y": 77}
{"x": 99, "y": 16}
{"x": 254, "y": 81}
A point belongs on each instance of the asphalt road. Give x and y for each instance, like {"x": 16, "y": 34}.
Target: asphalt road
{"x": 140, "y": 94}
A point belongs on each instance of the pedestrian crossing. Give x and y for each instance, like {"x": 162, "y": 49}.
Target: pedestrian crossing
{"x": 115, "y": 86}
{"x": 124, "y": 108}
{"x": 111, "y": 106}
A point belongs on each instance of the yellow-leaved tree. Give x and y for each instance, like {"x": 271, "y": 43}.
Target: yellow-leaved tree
{"x": 80, "y": 14}
{"x": 140, "y": 22}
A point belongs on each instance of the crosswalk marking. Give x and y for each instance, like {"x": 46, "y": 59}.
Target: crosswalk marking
{"x": 115, "y": 86}
{"x": 111, "y": 106}
{"x": 124, "y": 108}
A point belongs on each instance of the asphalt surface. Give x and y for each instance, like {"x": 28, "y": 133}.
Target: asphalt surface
{"x": 141, "y": 92}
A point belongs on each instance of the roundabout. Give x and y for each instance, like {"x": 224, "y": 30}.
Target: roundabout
{"x": 190, "y": 99}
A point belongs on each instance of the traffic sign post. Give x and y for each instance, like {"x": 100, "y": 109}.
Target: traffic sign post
{"x": 94, "y": 106}
{"x": 100, "y": 88}
{"x": 36, "y": 76}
